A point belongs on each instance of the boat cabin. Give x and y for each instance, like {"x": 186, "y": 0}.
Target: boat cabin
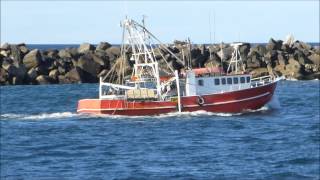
{"x": 202, "y": 85}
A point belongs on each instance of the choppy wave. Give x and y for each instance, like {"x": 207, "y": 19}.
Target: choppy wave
{"x": 57, "y": 115}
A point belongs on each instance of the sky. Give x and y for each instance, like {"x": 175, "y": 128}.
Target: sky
{"x": 74, "y": 22}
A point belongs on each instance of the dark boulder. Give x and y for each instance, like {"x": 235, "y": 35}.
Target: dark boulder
{"x": 301, "y": 45}
{"x": 42, "y": 70}
{"x": 32, "y": 75}
{"x": 103, "y": 73}
{"x": 261, "y": 50}
{"x": 5, "y": 46}
{"x": 6, "y": 62}
{"x": 54, "y": 74}
{"x": 52, "y": 53}
{"x": 274, "y": 45}
{"x": 315, "y": 59}
{"x": 85, "y": 48}
{"x": 195, "y": 52}
{"x": 73, "y": 76}
{"x": 64, "y": 53}
{"x": 173, "y": 49}
{"x": 244, "y": 50}
{"x": 258, "y": 72}
{"x": 42, "y": 79}
{"x": 179, "y": 43}
{"x": 3, "y": 76}
{"x": 280, "y": 70}
{"x": 32, "y": 59}
{"x": 199, "y": 61}
{"x": 63, "y": 80}
{"x": 281, "y": 60}
{"x": 61, "y": 70}
{"x": 4, "y": 53}
{"x": 89, "y": 66}
{"x": 226, "y": 53}
{"x": 213, "y": 61}
{"x": 254, "y": 61}
{"x": 16, "y": 54}
{"x": 293, "y": 69}
{"x": 175, "y": 64}
{"x": 17, "y": 71}
{"x": 74, "y": 52}
{"x": 113, "y": 53}
{"x": 16, "y": 81}
{"x": 102, "y": 55}
{"x": 102, "y": 60}
{"x": 23, "y": 49}
{"x": 103, "y": 46}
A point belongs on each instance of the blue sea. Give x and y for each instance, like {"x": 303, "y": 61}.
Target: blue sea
{"x": 42, "y": 137}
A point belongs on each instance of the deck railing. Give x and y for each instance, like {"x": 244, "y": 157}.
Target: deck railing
{"x": 260, "y": 81}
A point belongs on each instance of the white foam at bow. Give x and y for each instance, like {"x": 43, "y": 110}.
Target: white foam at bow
{"x": 274, "y": 102}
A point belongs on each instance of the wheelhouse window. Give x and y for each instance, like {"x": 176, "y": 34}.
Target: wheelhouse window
{"x": 248, "y": 79}
{"x": 217, "y": 81}
{"x": 235, "y": 80}
{"x": 223, "y": 80}
{"x": 242, "y": 80}
{"x": 200, "y": 82}
{"x": 229, "y": 80}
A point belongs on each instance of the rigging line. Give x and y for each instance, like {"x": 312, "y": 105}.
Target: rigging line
{"x": 109, "y": 72}
{"x": 161, "y": 44}
{"x": 171, "y": 68}
{"x": 116, "y": 107}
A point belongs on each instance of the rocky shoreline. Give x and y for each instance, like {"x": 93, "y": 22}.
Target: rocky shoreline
{"x": 85, "y": 64}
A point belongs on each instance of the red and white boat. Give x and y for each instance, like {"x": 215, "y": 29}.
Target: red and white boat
{"x": 148, "y": 93}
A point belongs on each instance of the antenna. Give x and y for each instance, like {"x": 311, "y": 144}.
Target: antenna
{"x": 210, "y": 56}
{"x": 143, "y": 20}
{"x": 125, "y": 7}
{"x": 144, "y": 25}
{"x": 222, "y": 54}
{"x": 210, "y": 28}
{"x": 214, "y": 26}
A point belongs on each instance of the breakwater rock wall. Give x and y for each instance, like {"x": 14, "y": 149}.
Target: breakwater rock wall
{"x": 85, "y": 64}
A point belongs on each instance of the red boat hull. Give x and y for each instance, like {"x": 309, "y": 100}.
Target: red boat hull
{"x": 229, "y": 102}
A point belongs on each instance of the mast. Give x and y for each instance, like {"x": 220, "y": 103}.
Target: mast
{"x": 139, "y": 43}
{"x": 189, "y": 66}
{"x": 236, "y": 59}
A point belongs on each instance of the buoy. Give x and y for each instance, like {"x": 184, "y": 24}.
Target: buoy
{"x": 200, "y": 100}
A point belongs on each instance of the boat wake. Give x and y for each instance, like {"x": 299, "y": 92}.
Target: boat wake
{"x": 196, "y": 114}
{"x": 273, "y": 104}
{"x": 168, "y": 115}
{"x": 57, "y": 115}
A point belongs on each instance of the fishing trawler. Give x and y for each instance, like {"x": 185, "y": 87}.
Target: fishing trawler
{"x": 151, "y": 91}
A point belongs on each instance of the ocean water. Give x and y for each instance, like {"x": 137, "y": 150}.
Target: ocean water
{"x": 42, "y": 137}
